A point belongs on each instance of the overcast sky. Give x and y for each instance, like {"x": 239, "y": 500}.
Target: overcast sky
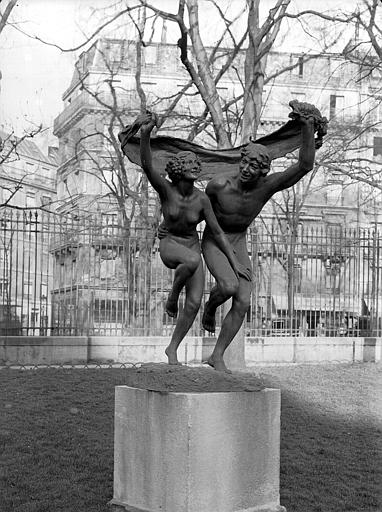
{"x": 35, "y": 75}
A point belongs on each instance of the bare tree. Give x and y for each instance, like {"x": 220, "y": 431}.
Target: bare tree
{"x": 10, "y": 151}
{"x": 10, "y": 144}
{"x": 244, "y": 57}
{"x": 4, "y": 15}
{"x": 202, "y": 73}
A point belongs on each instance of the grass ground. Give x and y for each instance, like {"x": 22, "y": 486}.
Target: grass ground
{"x": 56, "y": 438}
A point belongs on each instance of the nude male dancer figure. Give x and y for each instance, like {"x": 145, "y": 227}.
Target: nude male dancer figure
{"x": 237, "y": 200}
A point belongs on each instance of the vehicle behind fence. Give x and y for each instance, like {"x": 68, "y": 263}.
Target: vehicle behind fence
{"x": 65, "y": 275}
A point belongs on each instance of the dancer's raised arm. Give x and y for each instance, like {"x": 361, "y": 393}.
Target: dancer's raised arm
{"x": 311, "y": 120}
{"x": 160, "y": 184}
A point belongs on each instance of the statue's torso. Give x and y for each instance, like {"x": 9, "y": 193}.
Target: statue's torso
{"x": 234, "y": 209}
{"x": 182, "y": 214}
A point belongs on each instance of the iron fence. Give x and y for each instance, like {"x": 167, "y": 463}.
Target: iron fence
{"x": 65, "y": 275}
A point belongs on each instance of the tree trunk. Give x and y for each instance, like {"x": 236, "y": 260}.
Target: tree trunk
{"x": 254, "y": 68}
{"x": 7, "y": 12}
{"x": 210, "y": 96}
{"x": 253, "y": 98}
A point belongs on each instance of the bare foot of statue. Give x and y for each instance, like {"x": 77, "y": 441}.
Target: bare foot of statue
{"x": 208, "y": 319}
{"x": 217, "y": 364}
{"x": 172, "y": 307}
{"x": 172, "y": 356}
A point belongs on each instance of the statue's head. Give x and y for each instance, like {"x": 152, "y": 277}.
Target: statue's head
{"x": 184, "y": 165}
{"x": 255, "y": 162}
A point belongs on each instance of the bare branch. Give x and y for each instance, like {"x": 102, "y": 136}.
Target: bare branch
{"x": 88, "y": 39}
{"x": 4, "y": 17}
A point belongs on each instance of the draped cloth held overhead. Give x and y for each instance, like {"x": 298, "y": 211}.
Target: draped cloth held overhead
{"x": 222, "y": 161}
{"x": 214, "y": 161}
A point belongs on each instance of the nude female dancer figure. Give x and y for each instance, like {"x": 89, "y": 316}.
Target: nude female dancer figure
{"x": 184, "y": 207}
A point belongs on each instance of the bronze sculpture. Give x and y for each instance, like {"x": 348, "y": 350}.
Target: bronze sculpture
{"x": 237, "y": 198}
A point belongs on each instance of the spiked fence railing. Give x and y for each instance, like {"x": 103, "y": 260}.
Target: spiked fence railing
{"x": 65, "y": 275}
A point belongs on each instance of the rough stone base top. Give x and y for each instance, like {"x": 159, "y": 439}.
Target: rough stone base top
{"x": 184, "y": 379}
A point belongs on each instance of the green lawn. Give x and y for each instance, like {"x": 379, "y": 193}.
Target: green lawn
{"x": 56, "y": 438}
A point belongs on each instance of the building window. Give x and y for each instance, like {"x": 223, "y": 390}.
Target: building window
{"x": 223, "y": 92}
{"x": 334, "y": 193}
{"x": 3, "y": 287}
{"x": 113, "y": 52}
{"x": 299, "y": 67}
{"x": 30, "y": 199}
{"x": 45, "y": 200}
{"x": 336, "y": 107}
{"x": 377, "y": 146}
{"x": 151, "y": 91}
{"x": 333, "y": 273}
{"x": 34, "y": 317}
{"x": 150, "y": 54}
{"x": 27, "y": 290}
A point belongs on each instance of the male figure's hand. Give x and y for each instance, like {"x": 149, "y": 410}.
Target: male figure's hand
{"x": 302, "y": 111}
{"x": 162, "y": 231}
{"x": 244, "y": 271}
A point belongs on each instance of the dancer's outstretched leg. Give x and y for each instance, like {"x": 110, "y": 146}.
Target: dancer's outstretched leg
{"x": 185, "y": 261}
{"x": 194, "y": 292}
{"x": 231, "y": 325}
{"x": 227, "y": 285}
{"x": 183, "y": 272}
{"x": 226, "y": 281}
{"x": 218, "y": 295}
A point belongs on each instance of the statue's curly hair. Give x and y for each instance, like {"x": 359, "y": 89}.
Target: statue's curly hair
{"x": 175, "y": 167}
{"x": 263, "y": 157}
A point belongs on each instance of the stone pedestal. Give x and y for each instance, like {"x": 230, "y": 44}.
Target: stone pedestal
{"x": 197, "y": 452}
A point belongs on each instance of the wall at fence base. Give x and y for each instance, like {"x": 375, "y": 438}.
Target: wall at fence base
{"x": 80, "y": 349}
{"x": 137, "y": 349}
{"x": 372, "y": 350}
{"x": 306, "y": 350}
{"x": 43, "y": 349}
